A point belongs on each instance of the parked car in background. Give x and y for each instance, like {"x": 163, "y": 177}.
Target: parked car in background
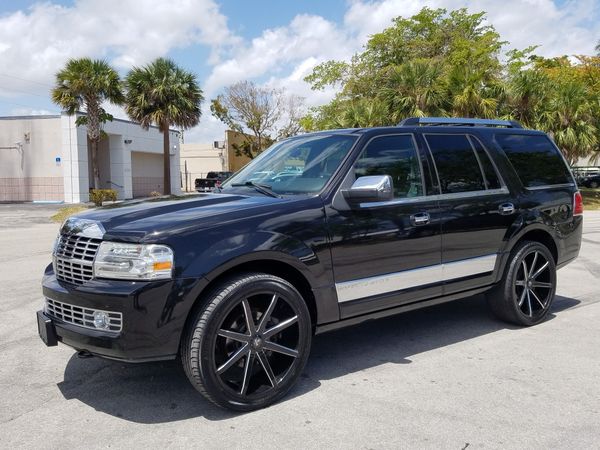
{"x": 378, "y": 221}
{"x": 212, "y": 180}
{"x": 592, "y": 181}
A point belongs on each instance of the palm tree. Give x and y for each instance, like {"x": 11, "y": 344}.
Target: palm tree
{"x": 528, "y": 92}
{"x": 472, "y": 92}
{"x": 415, "y": 89}
{"x": 88, "y": 83}
{"x": 569, "y": 118}
{"x": 163, "y": 94}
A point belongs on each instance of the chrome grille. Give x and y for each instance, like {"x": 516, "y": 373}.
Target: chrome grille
{"x": 74, "y": 258}
{"x": 84, "y": 317}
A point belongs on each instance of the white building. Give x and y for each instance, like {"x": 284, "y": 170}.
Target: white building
{"x": 196, "y": 160}
{"x": 45, "y": 158}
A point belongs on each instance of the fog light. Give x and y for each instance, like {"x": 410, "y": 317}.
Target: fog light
{"x": 101, "y": 320}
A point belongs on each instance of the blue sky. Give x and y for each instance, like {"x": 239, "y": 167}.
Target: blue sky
{"x": 270, "y": 42}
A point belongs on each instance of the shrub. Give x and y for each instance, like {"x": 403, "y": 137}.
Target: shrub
{"x": 155, "y": 194}
{"x": 97, "y": 196}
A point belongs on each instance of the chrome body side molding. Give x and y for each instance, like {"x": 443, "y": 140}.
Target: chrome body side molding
{"x": 398, "y": 281}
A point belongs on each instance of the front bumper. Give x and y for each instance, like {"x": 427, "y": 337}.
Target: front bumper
{"x": 154, "y": 315}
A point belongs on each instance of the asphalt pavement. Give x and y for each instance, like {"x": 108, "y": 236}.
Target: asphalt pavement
{"x": 449, "y": 376}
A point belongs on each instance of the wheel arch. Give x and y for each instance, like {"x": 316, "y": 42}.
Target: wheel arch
{"x": 271, "y": 263}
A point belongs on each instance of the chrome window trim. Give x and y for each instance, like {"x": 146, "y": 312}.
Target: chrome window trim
{"x": 437, "y": 197}
{"x": 549, "y": 186}
{"x": 406, "y": 279}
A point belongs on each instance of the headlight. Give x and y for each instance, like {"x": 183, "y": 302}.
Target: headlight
{"x": 133, "y": 261}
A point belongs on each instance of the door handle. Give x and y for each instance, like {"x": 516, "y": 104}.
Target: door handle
{"x": 506, "y": 209}
{"x": 420, "y": 218}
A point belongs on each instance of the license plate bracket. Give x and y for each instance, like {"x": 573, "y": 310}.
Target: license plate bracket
{"x": 46, "y": 330}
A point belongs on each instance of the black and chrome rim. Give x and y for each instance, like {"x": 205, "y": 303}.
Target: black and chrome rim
{"x": 256, "y": 345}
{"x": 534, "y": 284}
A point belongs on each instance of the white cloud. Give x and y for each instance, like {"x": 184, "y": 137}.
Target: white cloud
{"x": 572, "y": 27}
{"x": 36, "y": 43}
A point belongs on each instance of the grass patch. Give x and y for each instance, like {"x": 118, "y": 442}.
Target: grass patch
{"x": 67, "y": 211}
{"x": 591, "y": 199}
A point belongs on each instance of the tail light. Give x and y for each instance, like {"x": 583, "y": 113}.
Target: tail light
{"x": 577, "y": 204}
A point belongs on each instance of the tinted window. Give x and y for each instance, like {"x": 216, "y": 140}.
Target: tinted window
{"x": 456, "y": 163}
{"x": 535, "y": 159}
{"x": 491, "y": 177}
{"x": 395, "y": 156}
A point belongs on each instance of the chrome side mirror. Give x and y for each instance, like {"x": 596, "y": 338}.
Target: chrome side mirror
{"x": 374, "y": 188}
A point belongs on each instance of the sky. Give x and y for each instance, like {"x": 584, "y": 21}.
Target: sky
{"x": 273, "y": 43}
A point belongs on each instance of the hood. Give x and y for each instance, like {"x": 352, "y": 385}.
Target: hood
{"x": 152, "y": 219}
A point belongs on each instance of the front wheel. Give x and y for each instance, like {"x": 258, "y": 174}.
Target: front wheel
{"x": 248, "y": 345}
{"x": 526, "y": 292}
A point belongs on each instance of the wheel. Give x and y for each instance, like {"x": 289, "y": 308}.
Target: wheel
{"x": 247, "y": 346}
{"x": 593, "y": 184}
{"x": 526, "y": 292}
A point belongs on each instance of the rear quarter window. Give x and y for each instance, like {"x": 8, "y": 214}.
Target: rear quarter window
{"x": 535, "y": 159}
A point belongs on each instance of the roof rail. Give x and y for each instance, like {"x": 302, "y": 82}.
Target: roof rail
{"x": 459, "y": 121}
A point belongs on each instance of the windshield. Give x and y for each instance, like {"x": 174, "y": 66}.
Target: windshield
{"x": 301, "y": 165}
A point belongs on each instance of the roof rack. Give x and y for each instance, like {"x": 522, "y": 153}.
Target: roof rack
{"x": 459, "y": 121}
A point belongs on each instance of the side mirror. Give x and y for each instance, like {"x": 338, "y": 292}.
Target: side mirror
{"x": 375, "y": 188}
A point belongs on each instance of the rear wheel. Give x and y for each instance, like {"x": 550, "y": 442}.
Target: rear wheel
{"x": 526, "y": 292}
{"x": 247, "y": 347}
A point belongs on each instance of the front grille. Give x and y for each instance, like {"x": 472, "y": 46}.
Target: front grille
{"x": 84, "y": 317}
{"x": 74, "y": 258}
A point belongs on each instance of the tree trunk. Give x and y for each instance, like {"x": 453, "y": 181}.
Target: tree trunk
{"x": 166, "y": 161}
{"x": 95, "y": 168}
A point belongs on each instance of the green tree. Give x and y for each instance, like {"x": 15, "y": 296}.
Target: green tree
{"x": 415, "y": 88}
{"x": 258, "y": 113}
{"x": 433, "y": 63}
{"x": 163, "y": 94}
{"x": 87, "y": 84}
{"x": 569, "y": 117}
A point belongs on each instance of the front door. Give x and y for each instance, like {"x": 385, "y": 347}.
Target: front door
{"x": 388, "y": 253}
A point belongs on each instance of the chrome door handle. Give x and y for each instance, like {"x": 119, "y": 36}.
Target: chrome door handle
{"x": 506, "y": 209}
{"x": 420, "y": 218}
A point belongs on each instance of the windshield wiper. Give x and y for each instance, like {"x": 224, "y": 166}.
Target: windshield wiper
{"x": 262, "y": 188}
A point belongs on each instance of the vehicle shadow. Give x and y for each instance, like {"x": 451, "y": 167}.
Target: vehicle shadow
{"x": 160, "y": 392}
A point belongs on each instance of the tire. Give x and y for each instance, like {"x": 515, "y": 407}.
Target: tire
{"x": 593, "y": 184}
{"x": 243, "y": 365}
{"x": 525, "y": 294}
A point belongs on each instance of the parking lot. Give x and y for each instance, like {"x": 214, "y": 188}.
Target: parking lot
{"x": 448, "y": 376}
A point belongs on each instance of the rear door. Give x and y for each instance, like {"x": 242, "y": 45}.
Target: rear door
{"x": 476, "y": 209}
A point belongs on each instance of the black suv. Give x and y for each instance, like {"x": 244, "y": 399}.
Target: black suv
{"x": 371, "y": 222}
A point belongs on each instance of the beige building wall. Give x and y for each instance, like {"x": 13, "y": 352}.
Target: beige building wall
{"x": 47, "y": 158}
{"x": 31, "y": 160}
{"x": 234, "y": 162}
{"x": 200, "y": 159}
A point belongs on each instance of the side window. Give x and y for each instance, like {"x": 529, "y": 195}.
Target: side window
{"x": 395, "y": 156}
{"x": 491, "y": 177}
{"x": 535, "y": 159}
{"x": 456, "y": 163}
